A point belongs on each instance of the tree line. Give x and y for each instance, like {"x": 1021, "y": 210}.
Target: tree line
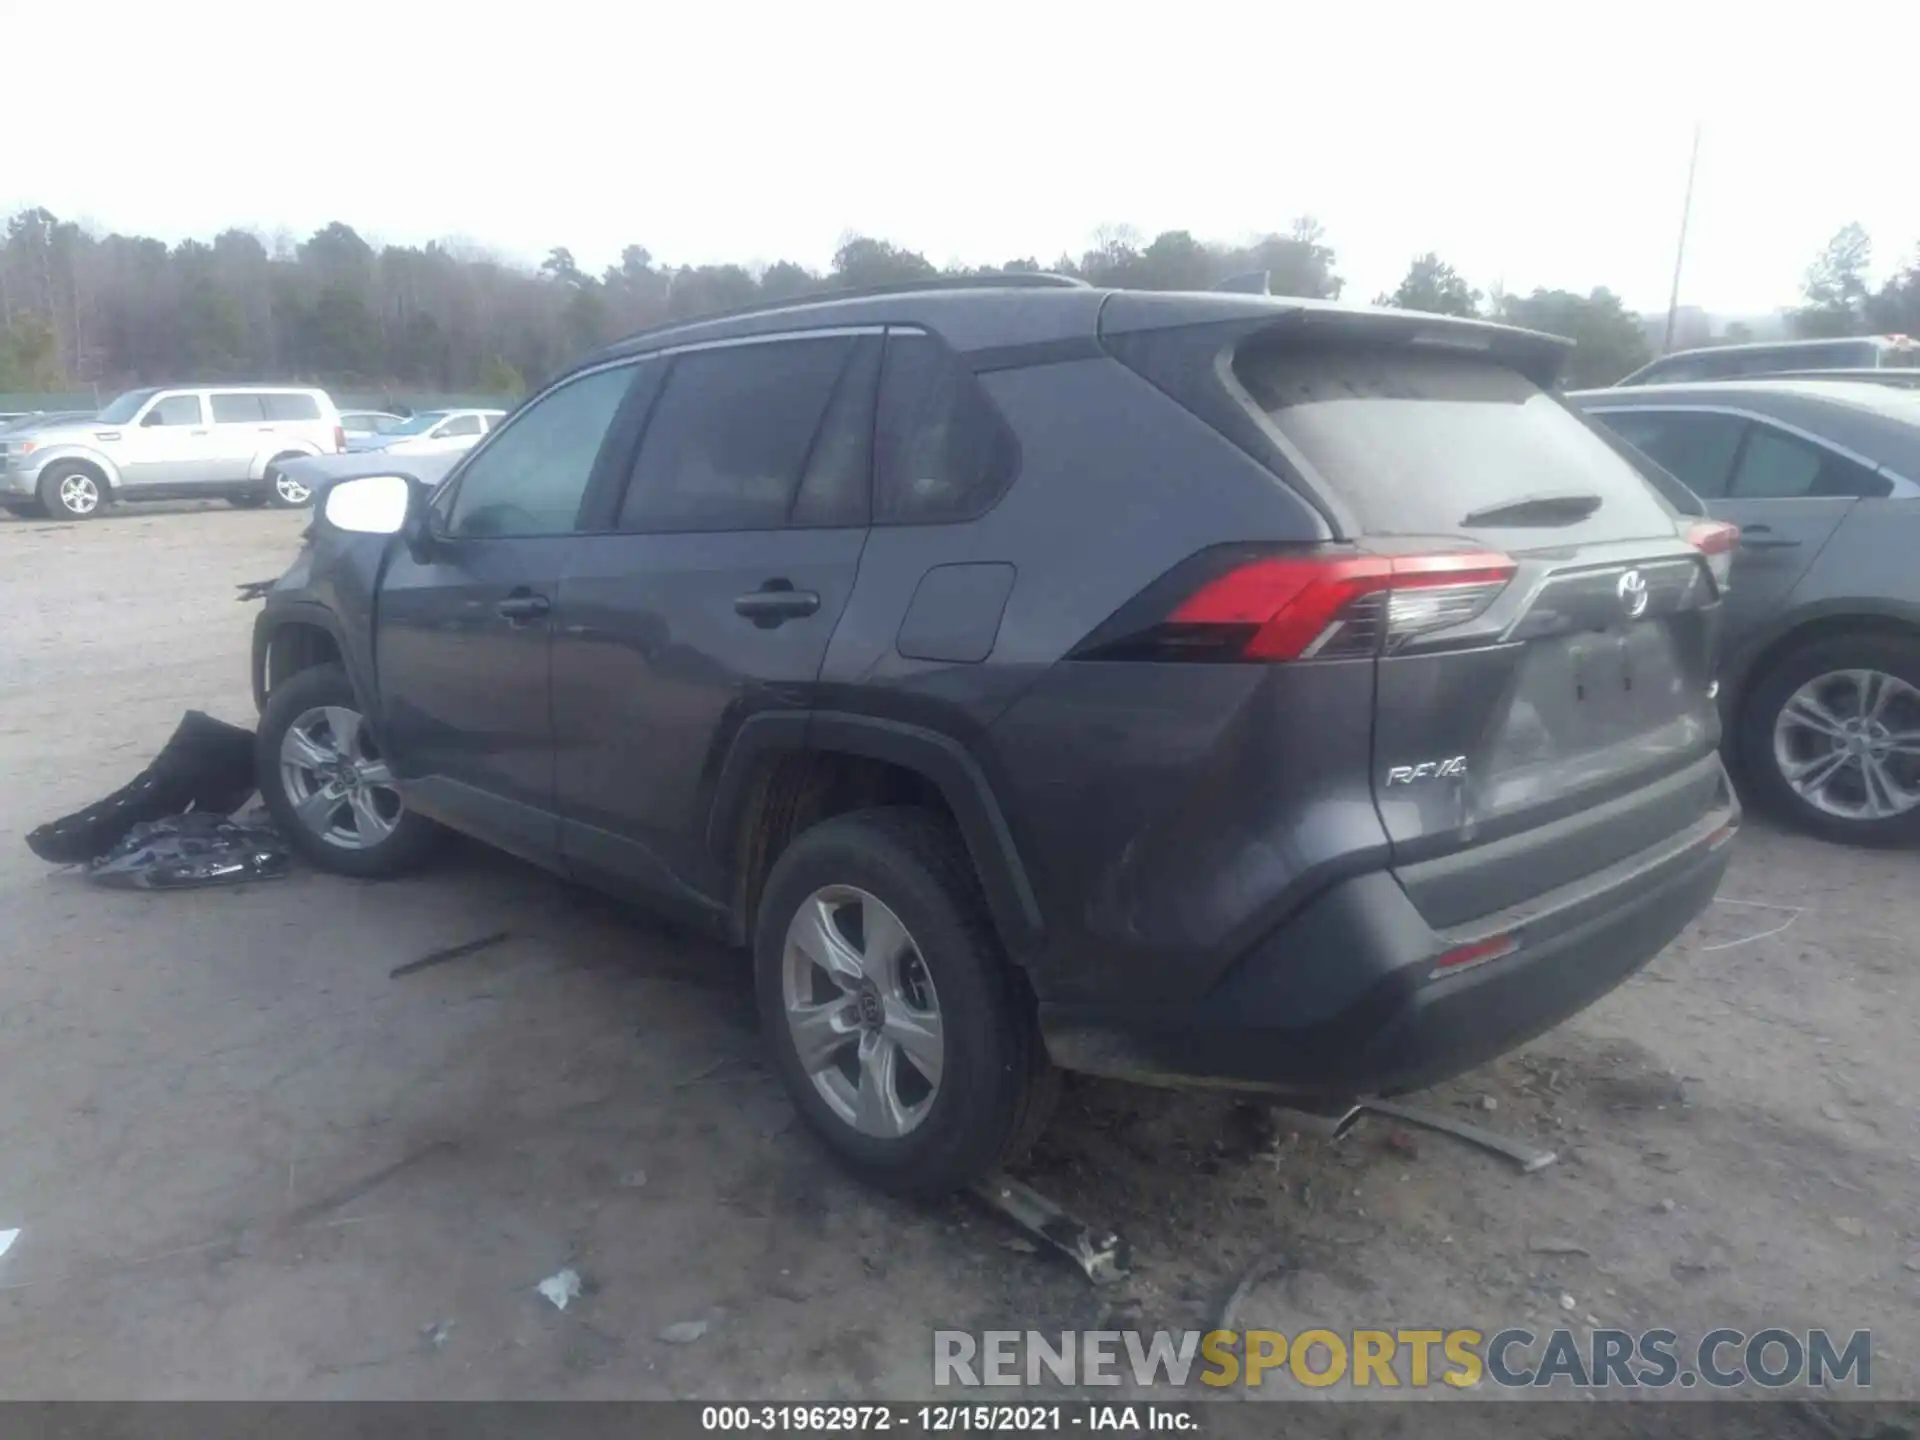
{"x": 80, "y": 310}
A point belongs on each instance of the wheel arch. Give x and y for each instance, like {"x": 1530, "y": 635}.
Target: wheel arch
{"x": 1808, "y": 626}
{"x": 102, "y": 469}
{"x": 298, "y": 639}
{"x": 784, "y": 770}
{"x": 273, "y": 455}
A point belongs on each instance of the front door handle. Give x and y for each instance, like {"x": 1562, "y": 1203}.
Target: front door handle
{"x": 775, "y": 603}
{"x": 520, "y": 607}
{"x": 1761, "y": 537}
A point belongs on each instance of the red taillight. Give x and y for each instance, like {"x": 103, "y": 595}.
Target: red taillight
{"x": 1478, "y": 953}
{"x": 1300, "y": 607}
{"x": 339, "y": 438}
{"x": 1716, "y": 540}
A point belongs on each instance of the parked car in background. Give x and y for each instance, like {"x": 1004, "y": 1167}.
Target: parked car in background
{"x": 1820, "y": 684}
{"x": 35, "y": 419}
{"x": 1210, "y": 687}
{"x": 369, "y": 422}
{"x": 431, "y": 432}
{"x": 1733, "y": 362}
{"x": 169, "y": 442}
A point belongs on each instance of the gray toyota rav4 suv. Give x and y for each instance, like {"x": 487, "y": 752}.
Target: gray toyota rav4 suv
{"x": 1180, "y": 687}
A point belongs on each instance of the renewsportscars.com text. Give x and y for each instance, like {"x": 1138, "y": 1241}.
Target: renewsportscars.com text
{"x": 1406, "y": 1358}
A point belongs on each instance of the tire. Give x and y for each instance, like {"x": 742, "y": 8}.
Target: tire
{"x": 993, "y": 1084}
{"x": 1820, "y": 681}
{"x": 71, "y": 491}
{"x": 247, "y": 500}
{"x": 25, "y": 509}
{"x": 367, "y": 832}
{"x": 283, "y": 492}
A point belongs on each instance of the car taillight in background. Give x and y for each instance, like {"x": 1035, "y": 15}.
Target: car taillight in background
{"x": 1716, "y": 540}
{"x": 1309, "y": 607}
{"x": 339, "y": 438}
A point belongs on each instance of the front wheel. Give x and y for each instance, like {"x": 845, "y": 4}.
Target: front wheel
{"x": 1829, "y": 739}
{"x": 896, "y": 1023}
{"x": 71, "y": 492}
{"x": 328, "y": 786}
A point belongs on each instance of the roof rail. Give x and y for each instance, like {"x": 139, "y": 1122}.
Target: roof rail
{"x": 1009, "y": 280}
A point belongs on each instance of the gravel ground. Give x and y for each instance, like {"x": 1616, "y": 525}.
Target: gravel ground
{"x": 247, "y": 1159}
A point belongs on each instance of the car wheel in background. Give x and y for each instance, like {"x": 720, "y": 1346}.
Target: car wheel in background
{"x": 286, "y": 493}
{"x": 71, "y": 492}
{"x": 327, "y": 785}
{"x": 896, "y": 1023}
{"x": 1829, "y": 739}
{"x": 25, "y": 509}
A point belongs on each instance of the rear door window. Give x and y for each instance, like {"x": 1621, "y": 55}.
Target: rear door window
{"x": 1696, "y": 448}
{"x": 1778, "y": 466}
{"x": 235, "y": 409}
{"x": 1415, "y": 443}
{"x": 292, "y": 406}
{"x": 459, "y": 425}
{"x": 750, "y": 437}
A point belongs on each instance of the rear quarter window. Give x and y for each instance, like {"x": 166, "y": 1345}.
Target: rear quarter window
{"x": 941, "y": 450}
{"x": 1413, "y": 443}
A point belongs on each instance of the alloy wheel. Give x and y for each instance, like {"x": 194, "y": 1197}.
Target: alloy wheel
{"x": 338, "y": 785}
{"x": 79, "y": 494}
{"x": 862, "y": 1011}
{"x": 1848, "y": 743}
{"x": 291, "y": 491}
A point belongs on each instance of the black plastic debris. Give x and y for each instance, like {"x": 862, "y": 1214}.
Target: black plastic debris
{"x": 185, "y": 851}
{"x": 206, "y": 767}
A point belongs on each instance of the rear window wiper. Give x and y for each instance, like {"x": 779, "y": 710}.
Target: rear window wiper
{"x": 1563, "y": 509}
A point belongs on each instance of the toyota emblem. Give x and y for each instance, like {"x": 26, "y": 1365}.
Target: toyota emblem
{"x": 1633, "y": 594}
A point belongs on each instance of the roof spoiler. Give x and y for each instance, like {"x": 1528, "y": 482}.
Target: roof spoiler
{"x": 1254, "y": 282}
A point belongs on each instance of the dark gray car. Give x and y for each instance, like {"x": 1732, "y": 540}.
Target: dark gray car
{"x": 1821, "y": 678}
{"x": 1179, "y": 687}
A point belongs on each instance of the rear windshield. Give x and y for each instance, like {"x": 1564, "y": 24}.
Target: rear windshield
{"x": 1434, "y": 444}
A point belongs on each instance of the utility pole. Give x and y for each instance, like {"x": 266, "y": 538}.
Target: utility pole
{"x": 1680, "y": 254}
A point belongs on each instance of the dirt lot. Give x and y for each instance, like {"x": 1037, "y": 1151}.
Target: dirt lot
{"x": 247, "y": 1160}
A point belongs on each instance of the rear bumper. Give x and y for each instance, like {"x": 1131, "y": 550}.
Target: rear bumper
{"x": 1344, "y": 1001}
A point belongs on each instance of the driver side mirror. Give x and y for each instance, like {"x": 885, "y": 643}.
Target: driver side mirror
{"x": 370, "y": 505}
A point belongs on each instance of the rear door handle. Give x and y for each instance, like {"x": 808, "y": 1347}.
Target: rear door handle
{"x": 1766, "y": 540}
{"x": 775, "y": 603}
{"x": 523, "y": 607}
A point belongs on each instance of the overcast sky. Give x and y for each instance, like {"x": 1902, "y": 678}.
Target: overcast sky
{"x": 1525, "y": 148}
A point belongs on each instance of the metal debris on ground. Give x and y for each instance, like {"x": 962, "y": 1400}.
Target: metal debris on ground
{"x": 1261, "y": 1269}
{"x": 684, "y": 1332}
{"x": 1526, "y": 1157}
{"x": 1103, "y": 1255}
{"x": 7, "y": 1237}
{"x": 191, "y": 851}
{"x": 1549, "y": 1245}
{"x": 561, "y": 1288}
{"x": 449, "y": 952}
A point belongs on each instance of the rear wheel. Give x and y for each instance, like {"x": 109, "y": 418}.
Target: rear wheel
{"x": 25, "y": 509}
{"x": 71, "y": 492}
{"x": 896, "y": 1023}
{"x": 1830, "y": 739}
{"x": 327, "y": 785}
{"x": 283, "y": 491}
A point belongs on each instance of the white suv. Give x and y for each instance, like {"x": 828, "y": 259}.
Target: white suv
{"x": 168, "y": 443}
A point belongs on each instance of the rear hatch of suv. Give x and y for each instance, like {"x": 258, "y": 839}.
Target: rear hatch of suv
{"x": 1541, "y": 622}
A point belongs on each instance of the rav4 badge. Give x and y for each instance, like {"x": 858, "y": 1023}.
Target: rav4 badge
{"x": 1453, "y": 769}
